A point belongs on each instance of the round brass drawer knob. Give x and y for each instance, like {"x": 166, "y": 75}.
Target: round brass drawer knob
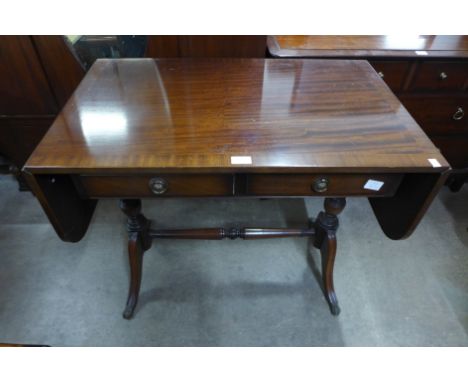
{"x": 459, "y": 114}
{"x": 320, "y": 185}
{"x": 443, "y": 76}
{"x": 158, "y": 186}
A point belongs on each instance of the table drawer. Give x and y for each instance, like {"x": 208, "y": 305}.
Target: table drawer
{"x": 322, "y": 184}
{"x": 439, "y": 115}
{"x": 440, "y": 76}
{"x": 392, "y": 72}
{"x": 155, "y": 185}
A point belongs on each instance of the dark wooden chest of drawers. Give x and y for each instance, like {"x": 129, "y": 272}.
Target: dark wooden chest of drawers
{"x": 428, "y": 74}
{"x": 435, "y": 93}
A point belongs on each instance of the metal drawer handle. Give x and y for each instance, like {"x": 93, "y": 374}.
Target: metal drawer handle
{"x": 320, "y": 185}
{"x": 381, "y": 74}
{"x": 443, "y": 76}
{"x": 158, "y": 186}
{"x": 459, "y": 114}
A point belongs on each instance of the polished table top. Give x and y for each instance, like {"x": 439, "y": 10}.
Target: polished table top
{"x": 400, "y": 45}
{"x": 173, "y": 115}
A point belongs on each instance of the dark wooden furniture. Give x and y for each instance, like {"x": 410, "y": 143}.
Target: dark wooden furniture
{"x": 234, "y": 128}
{"x": 429, "y": 74}
{"x": 206, "y": 46}
{"x": 37, "y": 75}
{"x": 63, "y": 69}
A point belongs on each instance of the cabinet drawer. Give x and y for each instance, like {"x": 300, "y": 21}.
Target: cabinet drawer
{"x": 439, "y": 115}
{"x": 454, "y": 149}
{"x": 440, "y": 76}
{"x": 392, "y": 72}
{"x": 312, "y": 184}
{"x": 155, "y": 185}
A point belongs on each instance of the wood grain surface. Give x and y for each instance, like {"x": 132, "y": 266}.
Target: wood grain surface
{"x": 376, "y": 46}
{"x": 193, "y": 115}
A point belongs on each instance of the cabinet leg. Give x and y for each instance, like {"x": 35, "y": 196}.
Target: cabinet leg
{"x": 455, "y": 182}
{"x": 326, "y": 226}
{"x": 138, "y": 242}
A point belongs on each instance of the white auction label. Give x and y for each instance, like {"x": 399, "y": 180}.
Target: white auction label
{"x": 434, "y": 162}
{"x": 374, "y": 185}
{"x": 421, "y": 53}
{"x": 241, "y": 160}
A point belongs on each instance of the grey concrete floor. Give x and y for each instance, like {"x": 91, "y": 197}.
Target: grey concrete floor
{"x": 233, "y": 293}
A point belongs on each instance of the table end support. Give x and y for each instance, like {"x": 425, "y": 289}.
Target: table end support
{"x": 140, "y": 236}
{"x": 326, "y": 225}
{"x": 138, "y": 242}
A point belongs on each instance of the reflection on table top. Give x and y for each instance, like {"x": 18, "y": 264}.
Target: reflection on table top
{"x": 402, "y": 45}
{"x": 195, "y": 114}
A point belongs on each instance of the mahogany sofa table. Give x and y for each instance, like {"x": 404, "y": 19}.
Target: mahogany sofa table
{"x": 234, "y": 128}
